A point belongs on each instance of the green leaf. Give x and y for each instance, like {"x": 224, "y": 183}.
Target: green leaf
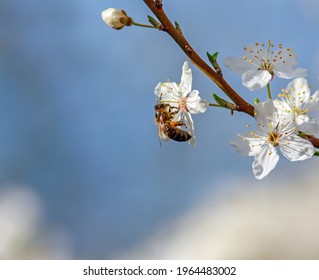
{"x": 213, "y": 61}
{"x": 178, "y": 27}
{"x": 223, "y": 103}
{"x": 212, "y": 57}
{"x": 153, "y": 21}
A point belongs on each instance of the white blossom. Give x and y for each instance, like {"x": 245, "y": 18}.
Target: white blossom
{"x": 274, "y": 130}
{"x": 296, "y": 100}
{"x": 258, "y": 65}
{"x": 115, "y": 18}
{"x": 184, "y": 98}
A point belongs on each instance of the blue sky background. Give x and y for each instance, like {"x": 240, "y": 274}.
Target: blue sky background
{"x": 76, "y": 110}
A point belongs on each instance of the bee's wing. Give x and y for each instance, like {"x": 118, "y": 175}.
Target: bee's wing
{"x": 161, "y": 133}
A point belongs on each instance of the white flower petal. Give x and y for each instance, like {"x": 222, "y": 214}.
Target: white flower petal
{"x": 195, "y": 104}
{"x": 313, "y": 103}
{"x": 256, "y": 144}
{"x": 299, "y": 93}
{"x": 168, "y": 93}
{"x": 282, "y": 106}
{"x": 266, "y": 114}
{"x": 238, "y": 65}
{"x": 283, "y": 61}
{"x": 310, "y": 127}
{"x": 166, "y": 90}
{"x": 289, "y": 72}
{"x": 185, "y": 86}
{"x": 265, "y": 161}
{"x": 294, "y": 148}
{"x": 190, "y": 126}
{"x": 307, "y": 124}
{"x": 255, "y": 54}
{"x": 298, "y": 86}
{"x": 241, "y": 145}
{"x": 158, "y": 89}
{"x": 256, "y": 79}
{"x": 283, "y": 57}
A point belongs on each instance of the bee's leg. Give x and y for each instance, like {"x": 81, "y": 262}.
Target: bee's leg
{"x": 180, "y": 123}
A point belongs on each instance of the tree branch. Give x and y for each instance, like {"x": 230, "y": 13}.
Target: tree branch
{"x": 178, "y": 37}
{"x": 167, "y": 26}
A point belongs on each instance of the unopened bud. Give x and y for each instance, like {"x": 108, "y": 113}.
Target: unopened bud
{"x": 154, "y": 22}
{"x": 116, "y": 19}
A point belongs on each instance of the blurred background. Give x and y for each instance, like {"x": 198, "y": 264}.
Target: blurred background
{"x": 82, "y": 174}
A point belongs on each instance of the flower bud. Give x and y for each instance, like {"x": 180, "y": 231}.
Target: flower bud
{"x": 116, "y": 19}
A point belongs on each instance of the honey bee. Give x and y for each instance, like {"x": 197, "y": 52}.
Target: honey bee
{"x": 166, "y": 127}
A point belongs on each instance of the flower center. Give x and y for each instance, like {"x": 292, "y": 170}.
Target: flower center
{"x": 273, "y": 138}
{"x": 295, "y": 108}
{"x": 266, "y": 65}
{"x": 264, "y": 61}
{"x": 299, "y": 111}
{"x": 182, "y": 104}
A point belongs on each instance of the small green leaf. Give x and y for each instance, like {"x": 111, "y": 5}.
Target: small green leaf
{"x": 178, "y": 27}
{"x": 153, "y": 21}
{"x": 213, "y": 61}
{"x": 256, "y": 101}
{"x": 223, "y": 103}
{"x": 212, "y": 57}
{"x": 219, "y": 100}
